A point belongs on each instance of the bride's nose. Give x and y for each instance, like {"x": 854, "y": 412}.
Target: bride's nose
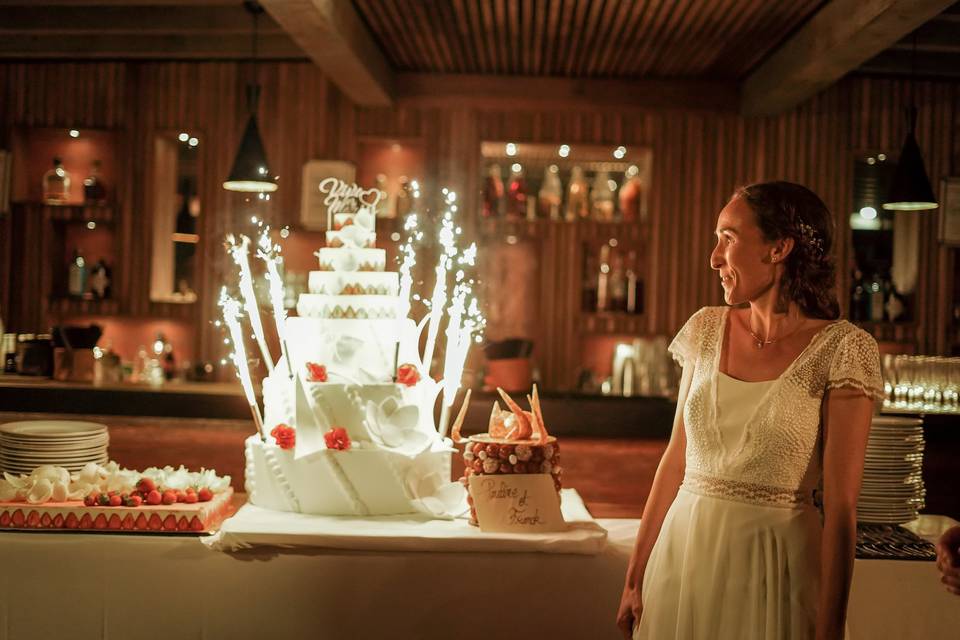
{"x": 716, "y": 258}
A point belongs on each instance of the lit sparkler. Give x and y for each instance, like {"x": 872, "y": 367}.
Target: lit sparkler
{"x": 231, "y": 316}
{"x": 438, "y": 300}
{"x": 240, "y": 252}
{"x": 270, "y": 254}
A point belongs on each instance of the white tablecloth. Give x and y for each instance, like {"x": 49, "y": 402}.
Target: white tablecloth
{"x": 61, "y": 585}
{"x": 253, "y": 526}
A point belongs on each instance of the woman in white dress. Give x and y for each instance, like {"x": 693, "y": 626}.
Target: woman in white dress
{"x": 750, "y": 527}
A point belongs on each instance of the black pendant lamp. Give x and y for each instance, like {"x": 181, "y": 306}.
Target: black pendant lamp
{"x": 251, "y": 171}
{"x": 910, "y": 189}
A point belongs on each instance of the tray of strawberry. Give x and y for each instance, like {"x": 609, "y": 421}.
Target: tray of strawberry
{"x": 108, "y": 498}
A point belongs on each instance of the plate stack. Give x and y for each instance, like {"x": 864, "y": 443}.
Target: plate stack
{"x": 24, "y": 446}
{"x": 892, "y": 491}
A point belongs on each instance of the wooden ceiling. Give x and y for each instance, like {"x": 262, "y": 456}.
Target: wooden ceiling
{"x": 756, "y": 56}
{"x": 721, "y": 39}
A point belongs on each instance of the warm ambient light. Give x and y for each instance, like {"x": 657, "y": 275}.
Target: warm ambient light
{"x": 74, "y": 133}
{"x": 91, "y": 225}
{"x": 516, "y": 167}
{"x": 868, "y": 213}
{"x": 620, "y": 152}
{"x": 183, "y": 137}
{"x": 564, "y": 150}
{"x": 511, "y": 149}
{"x": 193, "y": 142}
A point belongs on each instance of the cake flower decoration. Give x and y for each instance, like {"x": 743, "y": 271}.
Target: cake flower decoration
{"x": 337, "y": 438}
{"x": 408, "y": 375}
{"x": 285, "y": 435}
{"x": 316, "y": 372}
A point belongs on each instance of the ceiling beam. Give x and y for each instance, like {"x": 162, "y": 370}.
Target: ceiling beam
{"x": 511, "y": 92}
{"x": 838, "y": 39}
{"x": 145, "y": 47}
{"x": 332, "y": 35}
{"x": 152, "y": 20}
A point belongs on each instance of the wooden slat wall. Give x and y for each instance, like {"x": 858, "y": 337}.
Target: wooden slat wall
{"x": 699, "y": 157}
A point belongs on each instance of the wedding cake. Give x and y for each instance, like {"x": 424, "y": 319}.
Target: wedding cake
{"x": 349, "y": 409}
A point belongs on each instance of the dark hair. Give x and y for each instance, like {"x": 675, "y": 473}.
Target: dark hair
{"x": 788, "y": 210}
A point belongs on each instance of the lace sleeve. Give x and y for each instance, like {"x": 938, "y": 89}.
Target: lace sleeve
{"x": 856, "y": 365}
{"x": 684, "y": 345}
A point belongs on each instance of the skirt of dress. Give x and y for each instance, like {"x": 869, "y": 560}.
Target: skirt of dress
{"x": 723, "y": 569}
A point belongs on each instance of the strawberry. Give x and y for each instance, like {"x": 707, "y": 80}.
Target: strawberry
{"x": 146, "y": 485}
{"x": 181, "y": 496}
{"x": 91, "y": 500}
{"x": 191, "y": 498}
{"x": 205, "y": 495}
{"x": 115, "y": 501}
{"x": 153, "y": 497}
{"x": 168, "y": 497}
{"x": 134, "y": 501}
{"x": 103, "y": 500}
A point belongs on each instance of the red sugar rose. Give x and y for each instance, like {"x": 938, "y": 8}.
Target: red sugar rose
{"x": 337, "y": 438}
{"x": 316, "y": 372}
{"x": 285, "y": 436}
{"x": 407, "y": 374}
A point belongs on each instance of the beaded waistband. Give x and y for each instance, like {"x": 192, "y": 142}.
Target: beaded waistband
{"x": 750, "y": 492}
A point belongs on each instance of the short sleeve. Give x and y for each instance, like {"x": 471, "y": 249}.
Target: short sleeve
{"x": 683, "y": 348}
{"x": 856, "y": 365}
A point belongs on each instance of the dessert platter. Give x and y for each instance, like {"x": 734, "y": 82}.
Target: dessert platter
{"x": 109, "y": 498}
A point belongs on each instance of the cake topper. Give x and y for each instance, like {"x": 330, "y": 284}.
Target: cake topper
{"x": 347, "y": 197}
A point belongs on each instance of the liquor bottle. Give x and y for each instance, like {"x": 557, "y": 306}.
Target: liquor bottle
{"x": 631, "y": 195}
{"x": 404, "y": 197}
{"x": 876, "y": 299}
{"x": 618, "y": 282}
{"x": 94, "y": 191}
{"x": 601, "y": 198}
{"x": 603, "y": 279}
{"x": 517, "y": 193}
{"x": 56, "y": 184}
{"x": 551, "y": 193}
{"x": 577, "y": 195}
{"x": 492, "y": 192}
{"x": 634, "y": 285}
{"x": 77, "y": 275}
{"x": 100, "y": 280}
{"x": 588, "y": 300}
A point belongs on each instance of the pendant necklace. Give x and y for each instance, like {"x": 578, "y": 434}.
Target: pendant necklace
{"x": 760, "y": 343}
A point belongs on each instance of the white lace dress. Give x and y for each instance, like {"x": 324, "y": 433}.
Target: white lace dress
{"x": 738, "y": 555}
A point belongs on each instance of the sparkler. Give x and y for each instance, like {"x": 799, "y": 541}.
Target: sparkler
{"x": 231, "y": 316}
{"x": 438, "y": 300}
{"x": 240, "y": 252}
{"x": 270, "y": 254}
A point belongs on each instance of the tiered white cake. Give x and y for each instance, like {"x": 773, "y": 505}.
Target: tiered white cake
{"x": 343, "y": 355}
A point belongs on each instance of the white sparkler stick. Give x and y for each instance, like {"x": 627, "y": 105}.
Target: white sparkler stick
{"x": 439, "y": 298}
{"x": 231, "y": 316}
{"x": 459, "y": 336}
{"x": 240, "y": 253}
{"x": 270, "y": 254}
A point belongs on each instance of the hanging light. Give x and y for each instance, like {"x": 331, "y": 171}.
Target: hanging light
{"x": 251, "y": 171}
{"x": 911, "y": 190}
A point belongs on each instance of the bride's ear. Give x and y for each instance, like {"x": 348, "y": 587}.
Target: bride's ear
{"x": 781, "y": 249}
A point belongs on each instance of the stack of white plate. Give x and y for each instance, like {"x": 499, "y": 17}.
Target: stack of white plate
{"x": 892, "y": 491}
{"x": 24, "y": 446}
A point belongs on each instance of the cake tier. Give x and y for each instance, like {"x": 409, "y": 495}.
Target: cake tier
{"x": 484, "y": 456}
{"x": 369, "y": 283}
{"x": 359, "y": 350}
{"x": 386, "y": 414}
{"x": 352, "y": 259}
{"x": 352, "y": 236}
{"x": 356, "y": 482}
{"x": 174, "y": 518}
{"x": 315, "y": 305}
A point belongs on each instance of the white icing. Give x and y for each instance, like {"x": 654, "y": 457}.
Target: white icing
{"x": 368, "y": 282}
{"x": 358, "y": 350}
{"x": 315, "y": 305}
{"x": 352, "y": 259}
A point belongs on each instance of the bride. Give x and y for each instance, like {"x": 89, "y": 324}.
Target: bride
{"x": 750, "y": 527}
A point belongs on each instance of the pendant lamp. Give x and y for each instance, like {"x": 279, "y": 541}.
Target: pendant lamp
{"x": 910, "y": 189}
{"x": 251, "y": 171}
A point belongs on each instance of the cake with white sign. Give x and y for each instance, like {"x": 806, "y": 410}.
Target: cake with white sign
{"x": 350, "y": 410}
{"x": 516, "y": 443}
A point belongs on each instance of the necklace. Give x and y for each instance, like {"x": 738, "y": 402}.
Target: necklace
{"x": 760, "y": 343}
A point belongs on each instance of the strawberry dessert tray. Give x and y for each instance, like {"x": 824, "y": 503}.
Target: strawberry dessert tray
{"x": 108, "y": 498}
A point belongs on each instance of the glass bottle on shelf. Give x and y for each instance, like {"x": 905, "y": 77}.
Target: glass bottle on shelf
{"x": 603, "y": 279}
{"x": 601, "y": 197}
{"x": 517, "y": 193}
{"x": 634, "y": 285}
{"x": 551, "y": 193}
{"x": 631, "y": 195}
{"x": 617, "y": 282}
{"x": 588, "y": 293}
{"x": 56, "y": 184}
{"x": 77, "y": 275}
{"x": 94, "y": 191}
{"x": 577, "y": 195}
{"x": 492, "y": 192}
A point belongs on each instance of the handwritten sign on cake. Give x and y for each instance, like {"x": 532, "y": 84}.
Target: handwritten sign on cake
{"x": 519, "y": 503}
